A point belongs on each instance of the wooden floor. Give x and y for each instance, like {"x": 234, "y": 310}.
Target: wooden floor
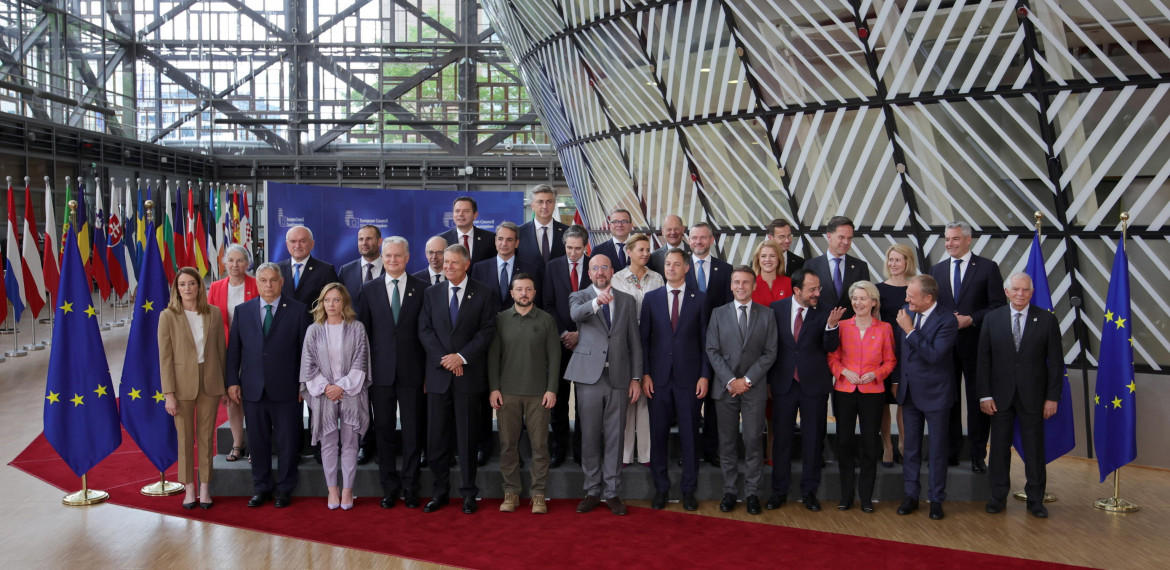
{"x": 37, "y": 531}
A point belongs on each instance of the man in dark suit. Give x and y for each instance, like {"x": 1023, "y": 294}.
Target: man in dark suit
{"x": 541, "y": 239}
{"x": 456, "y": 327}
{"x": 389, "y": 309}
{"x": 304, "y": 275}
{"x": 673, "y": 236}
{"x": 927, "y": 389}
{"x": 433, "y": 273}
{"x": 564, "y": 276}
{"x": 614, "y": 249}
{"x": 969, "y": 287}
{"x": 712, "y": 276}
{"x": 836, "y": 269}
{"x": 263, "y": 370}
{"x": 479, "y": 243}
{"x": 780, "y": 231}
{"x": 741, "y": 347}
{"x": 675, "y": 374}
{"x": 1020, "y": 372}
{"x": 801, "y": 381}
{"x": 367, "y": 267}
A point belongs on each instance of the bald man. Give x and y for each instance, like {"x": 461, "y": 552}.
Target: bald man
{"x": 673, "y": 236}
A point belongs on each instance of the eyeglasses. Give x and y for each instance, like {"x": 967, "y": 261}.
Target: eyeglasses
{"x": 813, "y": 289}
{"x": 619, "y": 222}
{"x": 598, "y": 267}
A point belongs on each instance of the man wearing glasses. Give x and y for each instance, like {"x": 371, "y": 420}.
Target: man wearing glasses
{"x": 620, "y": 224}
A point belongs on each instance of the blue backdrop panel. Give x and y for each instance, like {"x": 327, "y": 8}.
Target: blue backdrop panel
{"x": 335, "y": 214}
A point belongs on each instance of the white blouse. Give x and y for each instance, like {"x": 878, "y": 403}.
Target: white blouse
{"x": 195, "y": 321}
{"x": 235, "y": 296}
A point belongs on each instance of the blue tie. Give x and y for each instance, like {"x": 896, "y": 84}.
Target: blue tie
{"x": 958, "y": 278}
{"x": 454, "y": 305}
{"x": 297, "y": 276}
{"x": 837, "y": 280}
{"x": 504, "y": 284}
{"x": 701, "y": 276}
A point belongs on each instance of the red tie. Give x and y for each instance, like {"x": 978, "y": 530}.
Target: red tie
{"x": 674, "y": 310}
{"x": 465, "y": 246}
{"x": 796, "y": 336}
{"x": 574, "y": 278}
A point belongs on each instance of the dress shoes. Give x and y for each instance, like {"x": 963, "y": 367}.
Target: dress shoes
{"x": 866, "y": 506}
{"x": 978, "y": 466}
{"x": 953, "y": 462}
{"x": 436, "y": 503}
{"x": 364, "y": 456}
{"x": 711, "y": 459}
{"x": 556, "y": 460}
{"x": 908, "y": 506}
{"x": 481, "y": 458}
{"x": 589, "y": 503}
{"x": 659, "y": 501}
{"x": 469, "y": 505}
{"x": 389, "y": 499}
{"x": 996, "y": 506}
{"x": 845, "y": 504}
{"x": 690, "y": 503}
{"x": 1038, "y": 509}
{"x": 753, "y": 505}
{"x": 616, "y": 506}
{"x": 728, "y": 503}
{"x": 422, "y": 460}
{"x": 776, "y": 501}
{"x": 410, "y": 500}
{"x": 936, "y": 511}
{"x": 811, "y": 503}
{"x": 259, "y": 499}
{"x": 282, "y": 500}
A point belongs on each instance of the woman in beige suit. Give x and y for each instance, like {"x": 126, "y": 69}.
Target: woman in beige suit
{"x": 191, "y": 363}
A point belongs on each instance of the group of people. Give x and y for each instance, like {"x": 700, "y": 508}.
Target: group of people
{"x": 514, "y": 322}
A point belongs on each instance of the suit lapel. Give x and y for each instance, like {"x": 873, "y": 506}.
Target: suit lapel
{"x": 968, "y": 277}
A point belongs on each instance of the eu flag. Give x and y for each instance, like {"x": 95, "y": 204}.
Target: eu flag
{"x": 143, "y": 405}
{"x": 1059, "y": 430}
{"x": 81, "y": 418}
{"x": 1115, "y": 402}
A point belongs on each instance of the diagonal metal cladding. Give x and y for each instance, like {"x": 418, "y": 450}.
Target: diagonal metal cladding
{"x": 384, "y": 101}
{"x": 497, "y": 137}
{"x": 428, "y": 20}
{"x": 205, "y": 103}
{"x": 36, "y": 105}
{"x": 260, "y": 19}
{"x": 231, "y": 111}
{"x": 25, "y": 44}
{"x": 336, "y": 19}
{"x": 95, "y": 90}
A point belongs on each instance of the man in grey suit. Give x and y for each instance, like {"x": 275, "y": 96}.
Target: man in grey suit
{"x": 607, "y": 367}
{"x": 741, "y": 346}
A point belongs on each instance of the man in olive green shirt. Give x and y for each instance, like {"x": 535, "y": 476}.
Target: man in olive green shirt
{"x": 524, "y": 365}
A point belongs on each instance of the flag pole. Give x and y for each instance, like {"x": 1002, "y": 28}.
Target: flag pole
{"x": 52, "y": 294}
{"x": 34, "y": 345}
{"x": 117, "y": 298}
{"x": 16, "y": 350}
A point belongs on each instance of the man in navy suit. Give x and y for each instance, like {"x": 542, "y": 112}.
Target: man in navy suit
{"x": 389, "y": 309}
{"x": 499, "y": 270}
{"x": 480, "y": 244}
{"x": 564, "y": 276}
{"x": 367, "y": 267}
{"x": 456, "y": 326}
{"x": 800, "y": 380}
{"x": 676, "y": 373}
{"x": 712, "y": 276}
{"x": 836, "y": 269}
{"x": 304, "y": 275}
{"x": 264, "y": 371}
{"x": 620, "y": 224}
{"x": 673, "y": 234}
{"x": 780, "y": 231}
{"x": 969, "y": 287}
{"x": 433, "y": 249}
{"x": 541, "y": 239}
{"x": 927, "y": 389}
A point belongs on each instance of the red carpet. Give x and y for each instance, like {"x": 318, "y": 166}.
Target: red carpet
{"x": 519, "y": 540}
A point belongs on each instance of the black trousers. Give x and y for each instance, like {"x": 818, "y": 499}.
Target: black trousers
{"x": 978, "y": 423}
{"x": 274, "y": 425}
{"x": 849, "y": 406}
{"x": 813, "y": 416}
{"x": 459, "y": 414}
{"x": 386, "y": 401}
{"x": 1032, "y": 437}
{"x": 560, "y": 441}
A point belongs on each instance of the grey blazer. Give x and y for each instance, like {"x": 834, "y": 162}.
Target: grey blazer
{"x": 732, "y": 356}
{"x": 620, "y": 343}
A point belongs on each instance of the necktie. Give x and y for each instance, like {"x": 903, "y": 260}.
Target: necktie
{"x": 837, "y": 279}
{"x": 674, "y": 310}
{"x": 438, "y": 278}
{"x": 796, "y": 326}
{"x": 1017, "y": 329}
{"x": 574, "y": 278}
{"x": 544, "y": 247}
{"x": 504, "y": 284}
{"x": 621, "y": 247}
{"x": 743, "y": 322}
{"x": 267, "y": 319}
{"x": 605, "y": 313}
{"x": 701, "y": 276}
{"x": 917, "y": 320}
{"x": 369, "y": 272}
{"x": 466, "y": 245}
{"x": 958, "y": 278}
{"x": 395, "y": 301}
{"x": 454, "y": 305}
{"x": 297, "y": 275}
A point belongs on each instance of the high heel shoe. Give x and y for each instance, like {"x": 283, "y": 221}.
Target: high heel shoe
{"x": 190, "y": 505}
{"x": 346, "y": 506}
{"x": 333, "y": 506}
{"x": 897, "y": 456}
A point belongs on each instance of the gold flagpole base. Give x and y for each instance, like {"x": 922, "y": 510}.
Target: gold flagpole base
{"x": 163, "y": 489}
{"x": 85, "y": 497}
{"x": 1022, "y": 496}
{"x": 1116, "y": 505}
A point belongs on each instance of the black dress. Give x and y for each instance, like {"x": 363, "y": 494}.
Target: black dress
{"x": 892, "y": 298}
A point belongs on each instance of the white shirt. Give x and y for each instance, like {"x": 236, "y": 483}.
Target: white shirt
{"x": 235, "y": 297}
{"x": 682, "y": 292}
{"x": 965, "y": 262}
{"x": 470, "y": 238}
{"x": 921, "y": 319}
{"x": 275, "y": 306}
{"x": 580, "y": 269}
{"x": 511, "y": 262}
{"x": 401, "y": 287}
{"x": 195, "y": 322}
{"x": 432, "y": 274}
{"x": 540, "y": 229}
{"x": 362, "y": 263}
{"x": 706, "y": 267}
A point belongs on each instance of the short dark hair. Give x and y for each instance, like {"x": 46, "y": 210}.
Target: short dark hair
{"x": 519, "y": 276}
{"x": 778, "y": 223}
{"x": 377, "y": 232}
{"x": 744, "y": 269}
{"x": 576, "y": 231}
{"x": 469, "y": 200}
{"x": 836, "y": 222}
{"x": 927, "y": 285}
{"x": 679, "y": 251}
{"x": 799, "y": 275}
{"x": 703, "y": 225}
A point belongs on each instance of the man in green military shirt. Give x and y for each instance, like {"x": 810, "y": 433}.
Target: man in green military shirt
{"x": 524, "y": 364}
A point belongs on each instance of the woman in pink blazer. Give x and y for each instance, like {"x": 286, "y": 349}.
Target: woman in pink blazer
{"x": 860, "y": 365}
{"x": 225, "y": 294}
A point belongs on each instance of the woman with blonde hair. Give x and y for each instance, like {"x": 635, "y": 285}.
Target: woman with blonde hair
{"x": 637, "y": 280}
{"x": 901, "y": 265}
{"x": 771, "y": 283}
{"x": 191, "y": 349}
{"x": 335, "y": 364}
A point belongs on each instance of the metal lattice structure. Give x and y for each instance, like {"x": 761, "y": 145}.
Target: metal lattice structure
{"x": 903, "y": 115}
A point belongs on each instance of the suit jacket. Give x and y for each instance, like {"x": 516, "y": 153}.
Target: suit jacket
{"x": 394, "y": 348}
{"x": 529, "y": 247}
{"x": 981, "y": 292}
{"x": 484, "y": 246}
{"x": 352, "y": 275}
{"x": 718, "y": 281}
{"x": 470, "y": 336}
{"x": 872, "y": 353}
{"x": 674, "y": 354}
{"x": 928, "y": 369}
{"x": 557, "y": 288}
{"x": 620, "y": 344}
{"x": 853, "y": 270}
{"x": 608, "y": 249}
{"x": 809, "y": 355}
{"x": 315, "y": 275}
{"x": 217, "y": 295}
{"x": 178, "y": 359}
{"x": 732, "y": 356}
{"x": 1035, "y": 372}
{"x": 267, "y": 366}
{"x": 792, "y": 262}
{"x": 488, "y": 273}
{"x": 658, "y": 257}
{"x": 425, "y": 276}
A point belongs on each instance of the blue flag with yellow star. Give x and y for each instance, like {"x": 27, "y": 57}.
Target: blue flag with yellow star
{"x": 1115, "y": 419}
{"x": 81, "y": 417}
{"x": 143, "y": 405}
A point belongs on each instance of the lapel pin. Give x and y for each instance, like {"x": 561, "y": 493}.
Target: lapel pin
{"x": 1034, "y": 319}
{"x": 410, "y": 294}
